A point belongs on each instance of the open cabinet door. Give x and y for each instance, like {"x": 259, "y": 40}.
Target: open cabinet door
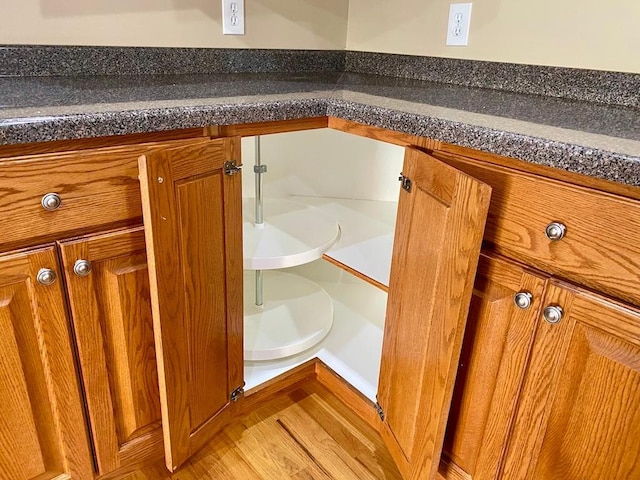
{"x": 192, "y": 207}
{"x": 441, "y": 217}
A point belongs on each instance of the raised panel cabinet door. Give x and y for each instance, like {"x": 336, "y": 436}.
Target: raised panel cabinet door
{"x": 579, "y": 411}
{"x": 42, "y": 428}
{"x": 108, "y": 289}
{"x": 502, "y": 320}
{"x": 192, "y": 208}
{"x": 441, "y": 216}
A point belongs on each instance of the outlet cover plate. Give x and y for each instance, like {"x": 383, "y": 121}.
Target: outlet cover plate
{"x": 458, "y": 25}
{"x": 233, "y": 17}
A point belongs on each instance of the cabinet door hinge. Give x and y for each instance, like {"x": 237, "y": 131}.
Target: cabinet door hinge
{"x": 379, "y": 411}
{"x": 406, "y": 182}
{"x": 231, "y": 168}
{"x": 236, "y": 394}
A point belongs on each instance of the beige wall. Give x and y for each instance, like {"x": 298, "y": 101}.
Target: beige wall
{"x": 600, "y": 34}
{"x": 605, "y": 33}
{"x": 300, "y": 24}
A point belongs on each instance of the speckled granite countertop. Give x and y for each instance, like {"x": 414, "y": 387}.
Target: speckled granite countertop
{"x": 590, "y": 138}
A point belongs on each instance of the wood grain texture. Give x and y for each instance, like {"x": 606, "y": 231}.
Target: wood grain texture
{"x": 111, "y": 313}
{"x": 347, "y": 394}
{"x": 495, "y": 352}
{"x": 42, "y": 430}
{"x": 281, "y": 384}
{"x": 100, "y": 142}
{"x": 436, "y": 247}
{"x": 601, "y": 248}
{"x": 193, "y": 228}
{"x": 382, "y": 134}
{"x": 355, "y": 273}
{"x": 304, "y": 434}
{"x": 579, "y": 415}
{"x": 98, "y": 188}
{"x": 266, "y": 128}
{"x": 587, "y": 181}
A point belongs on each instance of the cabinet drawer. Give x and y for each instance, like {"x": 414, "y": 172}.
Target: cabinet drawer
{"x": 96, "y": 187}
{"x": 601, "y": 244}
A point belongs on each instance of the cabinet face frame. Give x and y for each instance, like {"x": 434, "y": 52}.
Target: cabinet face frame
{"x": 193, "y": 226}
{"x": 441, "y": 217}
{"x": 42, "y": 410}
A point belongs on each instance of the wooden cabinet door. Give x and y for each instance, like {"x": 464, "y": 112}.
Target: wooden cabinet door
{"x": 579, "y": 413}
{"x": 42, "y": 427}
{"x": 495, "y": 350}
{"x": 192, "y": 213}
{"x": 441, "y": 216}
{"x": 111, "y": 311}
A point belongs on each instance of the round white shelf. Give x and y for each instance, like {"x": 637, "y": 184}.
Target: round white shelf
{"x": 296, "y": 315}
{"x": 292, "y": 234}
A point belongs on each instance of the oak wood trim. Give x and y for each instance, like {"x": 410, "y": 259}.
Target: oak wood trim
{"x": 355, "y": 273}
{"x": 448, "y": 470}
{"x": 382, "y": 134}
{"x": 266, "y": 128}
{"x": 59, "y": 146}
{"x": 288, "y": 380}
{"x": 347, "y": 394}
{"x": 544, "y": 171}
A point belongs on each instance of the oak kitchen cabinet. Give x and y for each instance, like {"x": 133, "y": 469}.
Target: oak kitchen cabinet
{"x": 199, "y": 281}
{"x": 110, "y": 305}
{"x": 108, "y": 289}
{"x": 498, "y": 339}
{"x": 561, "y": 379}
{"x": 579, "y": 407}
{"x": 41, "y": 426}
{"x": 194, "y": 249}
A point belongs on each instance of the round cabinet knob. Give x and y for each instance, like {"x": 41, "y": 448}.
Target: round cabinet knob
{"x": 82, "y": 268}
{"x": 51, "y": 201}
{"x": 46, "y": 276}
{"x": 552, "y": 313}
{"x": 523, "y": 300}
{"x": 555, "y": 231}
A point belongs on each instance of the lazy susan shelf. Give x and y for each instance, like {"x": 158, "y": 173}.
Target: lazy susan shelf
{"x": 296, "y": 315}
{"x": 292, "y": 234}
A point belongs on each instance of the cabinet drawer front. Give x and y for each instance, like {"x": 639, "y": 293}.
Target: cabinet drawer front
{"x": 601, "y": 244}
{"x": 94, "y": 187}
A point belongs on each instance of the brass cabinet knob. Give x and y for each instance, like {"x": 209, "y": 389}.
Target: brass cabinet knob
{"x": 46, "y": 276}
{"x": 82, "y": 268}
{"x": 51, "y": 201}
{"x": 555, "y": 231}
{"x": 553, "y": 313}
{"x": 523, "y": 299}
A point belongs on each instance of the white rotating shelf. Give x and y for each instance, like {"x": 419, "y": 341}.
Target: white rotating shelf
{"x": 353, "y": 346}
{"x": 293, "y": 233}
{"x": 297, "y": 314}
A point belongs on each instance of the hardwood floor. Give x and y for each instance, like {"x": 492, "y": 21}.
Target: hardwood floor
{"x": 303, "y": 435}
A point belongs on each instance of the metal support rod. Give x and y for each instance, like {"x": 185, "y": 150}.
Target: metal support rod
{"x": 259, "y": 285}
{"x": 259, "y": 170}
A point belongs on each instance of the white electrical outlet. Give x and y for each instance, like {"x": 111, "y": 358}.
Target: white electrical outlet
{"x": 459, "y": 21}
{"x": 233, "y": 17}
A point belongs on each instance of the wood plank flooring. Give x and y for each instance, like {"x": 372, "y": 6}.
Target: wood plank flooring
{"x": 307, "y": 434}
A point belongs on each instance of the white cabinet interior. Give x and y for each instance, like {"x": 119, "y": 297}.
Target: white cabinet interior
{"x": 355, "y": 181}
